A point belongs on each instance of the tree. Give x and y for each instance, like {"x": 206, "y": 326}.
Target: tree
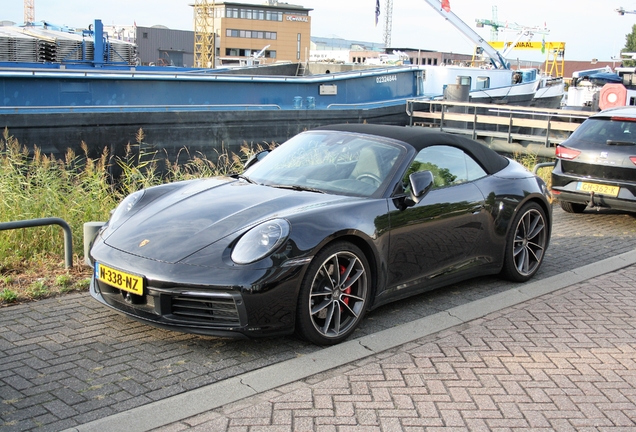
{"x": 630, "y": 47}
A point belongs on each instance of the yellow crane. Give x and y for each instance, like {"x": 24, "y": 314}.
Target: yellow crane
{"x": 29, "y": 11}
{"x": 204, "y": 39}
{"x": 555, "y": 53}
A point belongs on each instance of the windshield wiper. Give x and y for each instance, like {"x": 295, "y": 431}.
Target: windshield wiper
{"x": 296, "y": 188}
{"x": 619, "y": 143}
{"x": 243, "y": 177}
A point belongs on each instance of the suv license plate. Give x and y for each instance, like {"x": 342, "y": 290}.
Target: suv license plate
{"x": 598, "y": 188}
{"x": 119, "y": 279}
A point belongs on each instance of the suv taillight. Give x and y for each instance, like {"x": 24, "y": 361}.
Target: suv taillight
{"x": 563, "y": 152}
{"x": 633, "y": 159}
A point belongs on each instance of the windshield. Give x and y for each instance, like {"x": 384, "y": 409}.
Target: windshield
{"x": 599, "y": 132}
{"x": 331, "y": 162}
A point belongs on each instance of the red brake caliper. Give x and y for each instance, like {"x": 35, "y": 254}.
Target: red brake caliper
{"x": 343, "y": 269}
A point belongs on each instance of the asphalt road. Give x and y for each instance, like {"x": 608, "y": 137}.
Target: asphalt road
{"x": 69, "y": 361}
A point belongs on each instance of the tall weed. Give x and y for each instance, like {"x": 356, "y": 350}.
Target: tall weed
{"x": 80, "y": 189}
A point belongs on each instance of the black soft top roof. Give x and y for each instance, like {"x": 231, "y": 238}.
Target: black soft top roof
{"x": 420, "y": 137}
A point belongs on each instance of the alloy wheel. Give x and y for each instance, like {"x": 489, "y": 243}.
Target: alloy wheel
{"x": 530, "y": 241}
{"x": 338, "y": 294}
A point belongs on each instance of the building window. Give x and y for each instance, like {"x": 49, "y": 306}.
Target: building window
{"x": 251, "y": 14}
{"x": 251, "y": 34}
{"x": 239, "y": 52}
{"x": 145, "y": 35}
{"x": 298, "y": 47}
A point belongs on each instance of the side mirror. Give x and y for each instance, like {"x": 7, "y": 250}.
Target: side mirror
{"x": 255, "y": 158}
{"x": 421, "y": 183}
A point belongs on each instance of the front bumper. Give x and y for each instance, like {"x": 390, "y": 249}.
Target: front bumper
{"x": 190, "y": 311}
{"x": 225, "y": 302}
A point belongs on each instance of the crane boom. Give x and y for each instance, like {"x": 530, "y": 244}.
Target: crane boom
{"x": 388, "y": 23}
{"x": 495, "y": 56}
{"x": 29, "y": 11}
{"x": 622, "y": 11}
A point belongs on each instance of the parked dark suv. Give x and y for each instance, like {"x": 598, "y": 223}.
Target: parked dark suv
{"x": 596, "y": 165}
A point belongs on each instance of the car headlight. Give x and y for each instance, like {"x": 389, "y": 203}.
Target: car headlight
{"x": 125, "y": 207}
{"x": 260, "y": 241}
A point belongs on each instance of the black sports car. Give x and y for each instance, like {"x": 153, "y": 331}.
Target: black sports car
{"x": 596, "y": 165}
{"x": 334, "y": 222}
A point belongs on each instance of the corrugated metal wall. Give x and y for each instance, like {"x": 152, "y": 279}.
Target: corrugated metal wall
{"x": 176, "y": 46}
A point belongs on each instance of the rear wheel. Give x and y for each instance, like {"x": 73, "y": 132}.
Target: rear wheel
{"x": 334, "y": 294}
{"x": 526, "y": 243}
{"x": 572, "y": 207}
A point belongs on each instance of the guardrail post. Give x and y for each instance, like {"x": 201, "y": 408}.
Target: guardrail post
{"x": 90, "y": 231}
{"x": 542, "y": 165}
{"x": 30, "y": 223}
{"x": 510, "y": 129}
{"x": 441, "y": 120}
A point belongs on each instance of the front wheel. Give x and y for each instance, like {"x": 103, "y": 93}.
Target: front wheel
{"x": 334, "y": 294}
{"x": 526, "y": 243}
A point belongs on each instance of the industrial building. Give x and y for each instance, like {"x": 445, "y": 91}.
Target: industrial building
{"x": 274, "y": 31}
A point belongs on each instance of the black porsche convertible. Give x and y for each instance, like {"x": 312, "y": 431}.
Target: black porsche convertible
{"x": 331, "y": 224}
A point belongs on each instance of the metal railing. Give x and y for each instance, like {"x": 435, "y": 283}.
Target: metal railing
{"x": 30, "y": 223}
{"x": 512, "y": 123}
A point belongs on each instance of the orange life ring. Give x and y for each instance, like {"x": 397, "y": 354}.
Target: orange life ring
{"x": 612, "y": 95}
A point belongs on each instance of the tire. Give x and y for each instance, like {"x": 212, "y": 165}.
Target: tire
{"x": 526, "y": 243}
{"x": 572, "y": 207}
{"x": 332, "y": 303}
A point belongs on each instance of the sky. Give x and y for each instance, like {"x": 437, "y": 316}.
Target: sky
{"x": 591, "y": 29}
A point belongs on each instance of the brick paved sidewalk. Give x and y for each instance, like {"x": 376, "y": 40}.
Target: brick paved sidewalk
{"x": 563, "y": 361}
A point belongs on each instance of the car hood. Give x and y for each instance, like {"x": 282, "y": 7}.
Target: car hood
{"x": 187, "y": 219}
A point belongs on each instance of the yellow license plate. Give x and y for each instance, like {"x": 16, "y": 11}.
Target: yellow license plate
{"x": 119, "y": 279}
{"x": 598, "y": 188}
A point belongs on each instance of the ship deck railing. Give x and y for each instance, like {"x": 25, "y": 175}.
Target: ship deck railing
{"x": 507, "y": 122}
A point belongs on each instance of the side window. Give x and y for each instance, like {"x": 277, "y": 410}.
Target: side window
{"x": 449, "y": 165}
{"x": 483, "y": 83}
{"x": 464, "y": 80}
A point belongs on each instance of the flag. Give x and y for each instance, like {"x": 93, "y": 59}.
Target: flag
{"x": 377, "y": 11}
{"x": 446, "y": 5}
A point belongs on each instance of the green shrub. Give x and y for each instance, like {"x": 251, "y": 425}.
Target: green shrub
{"x": 38, "y": 289}
{"x": 8, "y": 296}
{"x": 63, "y": 281}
